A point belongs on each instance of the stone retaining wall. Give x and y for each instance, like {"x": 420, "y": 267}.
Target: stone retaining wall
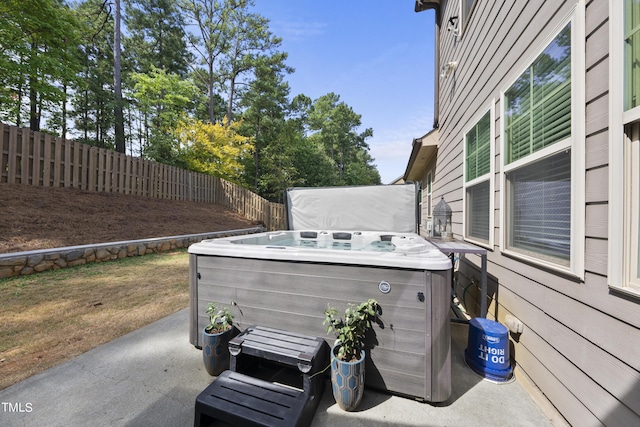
{"x": 22, "y": 263}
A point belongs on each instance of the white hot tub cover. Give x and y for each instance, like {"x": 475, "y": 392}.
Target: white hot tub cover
{"x": 365, "y": 208}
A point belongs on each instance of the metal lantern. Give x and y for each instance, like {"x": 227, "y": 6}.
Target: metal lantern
{"x": 442, "y": 221}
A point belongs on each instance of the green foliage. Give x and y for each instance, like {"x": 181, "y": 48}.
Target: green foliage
{"x": 250, "y": 45}
{"x": 210, "y": 40}
{"x": 335, "y": 126}
{"x": 92, "y": 99}
{"x": 39, "y": 41}
{"x": 351, "y": 329}
{"x": 220, "y": 320}
{"x": 156, "y": 36}
{"x": 265, "y": 102}
{"x": 165, "y": 100}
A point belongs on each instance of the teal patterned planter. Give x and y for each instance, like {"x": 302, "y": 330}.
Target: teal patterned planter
{"x": 215, "y": 351}
{"x": 347, "y": 381}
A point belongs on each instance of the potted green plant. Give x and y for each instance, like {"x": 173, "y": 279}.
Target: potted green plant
{"x": 347, "y": 354}
{"x": 215, "y": 339}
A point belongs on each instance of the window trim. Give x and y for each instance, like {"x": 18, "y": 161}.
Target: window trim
{"x": 464, "y": 19}
{"x": 619, "y": 259}
{"x": 429, "y": 194}
{"x": 490, "y": 176}
{"x": 575, "y": 143}
{"x": 426, "y": 204}
{"x": 633, "y": 114}
{"x": 632, "y": 210}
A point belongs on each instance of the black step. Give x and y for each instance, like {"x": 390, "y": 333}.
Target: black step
{"x": 241, "y": 400}
{"x": 289, "y": 348}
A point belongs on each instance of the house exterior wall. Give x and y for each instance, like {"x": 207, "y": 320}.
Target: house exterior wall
{"x": 581, "y": 342}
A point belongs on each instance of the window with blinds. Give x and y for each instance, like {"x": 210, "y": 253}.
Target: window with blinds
{"x": 631, "y": 54}
{"x": 537, "y": 118}
{"x": 477, "y": 179}
{"x": 478, "y": 211}
{"x": 538, "y": 105}
{"x": 540, "y": 208}
{"x": 478, "y": 149}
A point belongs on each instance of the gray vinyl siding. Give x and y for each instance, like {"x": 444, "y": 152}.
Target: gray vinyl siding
{"x": 581, "y": 343}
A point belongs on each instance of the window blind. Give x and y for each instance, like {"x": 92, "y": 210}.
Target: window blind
{"x": 540, "y": 207}
{"x": 538, "y": 105}
{"x": 478, "y": 211}
{"x": 478, "y": 148}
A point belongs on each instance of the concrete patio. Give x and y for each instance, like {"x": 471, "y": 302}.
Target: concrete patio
{"x": 152, "y": 376}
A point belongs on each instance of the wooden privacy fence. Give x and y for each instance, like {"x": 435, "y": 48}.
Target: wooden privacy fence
{"x": 39, "y": 159}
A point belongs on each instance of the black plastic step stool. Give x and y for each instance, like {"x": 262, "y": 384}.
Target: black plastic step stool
{"x": 242, "y": 400}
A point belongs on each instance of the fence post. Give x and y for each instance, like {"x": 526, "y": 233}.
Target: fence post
{"x": 35, "y": 177}
{"x": 13, "y": 147}
{"x": 46, "y": 178}
{"x": 67, "y": 162}
{"x": 84, "y": 171}
{"x": 108, "y": 171}
{"x": 57, "y": 161}
{"x": 24, "y": 157}
{"x": 93, "y": 157}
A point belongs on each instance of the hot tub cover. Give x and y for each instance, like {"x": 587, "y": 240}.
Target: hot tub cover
{"x": 365, "y": 208}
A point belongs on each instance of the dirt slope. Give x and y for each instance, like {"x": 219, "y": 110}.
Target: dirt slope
{"x": 39, "y": 218}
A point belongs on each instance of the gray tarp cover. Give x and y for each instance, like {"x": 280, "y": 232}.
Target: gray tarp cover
{"x": 359, "y": 208}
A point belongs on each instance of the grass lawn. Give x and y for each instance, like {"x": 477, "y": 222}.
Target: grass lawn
{"x": 51, "y": 317}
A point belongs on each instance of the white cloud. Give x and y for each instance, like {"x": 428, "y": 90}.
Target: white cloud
{"x": 296, "y": 31}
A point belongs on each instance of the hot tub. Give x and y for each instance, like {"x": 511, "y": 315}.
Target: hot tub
{"x": 286, "y": 279}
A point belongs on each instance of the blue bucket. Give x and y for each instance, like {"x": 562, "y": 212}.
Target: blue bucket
{"x": 487, "y": 350}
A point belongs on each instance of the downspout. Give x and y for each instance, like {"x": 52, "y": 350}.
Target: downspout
{"x": 436, "y": 73}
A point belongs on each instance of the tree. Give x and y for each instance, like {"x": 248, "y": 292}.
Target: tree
{"x": 37, "y": 57}
{"x": 211, "y": 17}
{"x": 92, "y": 96}
{"x": 167, "y": 100}
{"x": 157, "y": 36}
{"x": 117, "y": 86}
{"x": 310, "y": 165}
{"x": 266, "y": 102}
{"x": 249, "y": 41}
{"x": 216, "y": 149}
{"x": 335, "y": 126}
{"x": 203, "y": 109}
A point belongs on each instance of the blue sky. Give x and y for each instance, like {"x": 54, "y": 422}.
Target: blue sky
{"x": 377, "y": 55}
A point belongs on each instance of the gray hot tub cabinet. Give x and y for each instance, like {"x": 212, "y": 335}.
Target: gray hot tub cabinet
{"x": 286, "y": 288}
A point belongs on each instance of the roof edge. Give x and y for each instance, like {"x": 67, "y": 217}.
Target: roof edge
{"x": 430, "y": 139}
{"x": 422, "y": 5}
